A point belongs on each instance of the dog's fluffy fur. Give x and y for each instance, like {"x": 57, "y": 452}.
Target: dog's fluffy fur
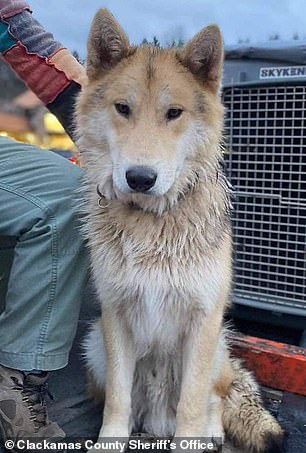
{"x": 162, "y": 259}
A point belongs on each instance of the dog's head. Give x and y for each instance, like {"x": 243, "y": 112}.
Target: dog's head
{"x": 150, "y": 119}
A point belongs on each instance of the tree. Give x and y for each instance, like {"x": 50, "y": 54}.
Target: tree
{"x": 274, "y": 37}
{"x": 76, "y": 55}
{"x": 172, "y": 43}
{"x": 244, "y": 41}
{"x": 155, "y": 42}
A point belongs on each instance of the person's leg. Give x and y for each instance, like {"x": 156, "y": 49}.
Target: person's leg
{"x": 38, "y": 205}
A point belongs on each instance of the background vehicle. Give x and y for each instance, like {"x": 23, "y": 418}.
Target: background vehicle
{"x": 264, "y": 91}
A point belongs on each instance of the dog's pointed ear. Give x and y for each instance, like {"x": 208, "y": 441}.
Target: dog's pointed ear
{"x": 203, "y": 55}
{"x": 107, "y": 44}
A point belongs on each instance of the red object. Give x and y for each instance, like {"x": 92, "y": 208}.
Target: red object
{"x": 277, "y": 365}
{"x": 74, "y": 160}
{"x": 39, "y": 74}
{"x": 9, "y": 9}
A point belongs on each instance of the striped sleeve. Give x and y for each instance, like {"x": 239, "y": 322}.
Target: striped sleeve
{"x": 47, "y": 67}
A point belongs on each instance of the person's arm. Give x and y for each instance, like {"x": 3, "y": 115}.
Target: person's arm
{"x": 47, "y": 67}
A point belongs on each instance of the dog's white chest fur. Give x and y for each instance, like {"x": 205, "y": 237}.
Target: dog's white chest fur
{"x": 160, "y": 297}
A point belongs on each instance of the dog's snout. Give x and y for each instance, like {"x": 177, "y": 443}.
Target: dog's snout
{"x": 141, "y": 179}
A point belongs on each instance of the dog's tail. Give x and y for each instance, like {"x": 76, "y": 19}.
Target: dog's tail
{"x": 245, "y": 420}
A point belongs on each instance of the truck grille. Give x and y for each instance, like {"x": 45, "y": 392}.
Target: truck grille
{"x": 266, "y": 163}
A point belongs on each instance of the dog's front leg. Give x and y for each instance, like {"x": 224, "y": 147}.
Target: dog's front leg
{"x": 198, "y": 359}
{"x": 120, "y": 359}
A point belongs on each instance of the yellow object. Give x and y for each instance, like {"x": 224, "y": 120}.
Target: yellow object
{"x": 52, "y": 125}
{"x": 55, "y": 136}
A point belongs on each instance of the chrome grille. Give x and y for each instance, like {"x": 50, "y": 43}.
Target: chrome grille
{"x": 266, "y": 163}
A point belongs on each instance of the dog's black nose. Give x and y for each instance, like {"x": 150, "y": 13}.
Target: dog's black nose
{"x": 141, "y": 179}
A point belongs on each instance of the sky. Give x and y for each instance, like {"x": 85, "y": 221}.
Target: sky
{"x": 255, "y": 20}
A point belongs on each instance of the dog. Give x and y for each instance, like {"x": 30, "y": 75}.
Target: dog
{"x": 150, "y": 124}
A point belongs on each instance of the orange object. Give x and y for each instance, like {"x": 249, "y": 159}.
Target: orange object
{"x": 277, "y": 365}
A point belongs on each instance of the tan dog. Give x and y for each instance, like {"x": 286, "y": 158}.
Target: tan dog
{"x": 150, "y": 124}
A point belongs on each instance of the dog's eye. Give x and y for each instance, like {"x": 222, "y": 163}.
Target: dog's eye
{"x": 173, "y": 114}
{"x": 123, "y": 109}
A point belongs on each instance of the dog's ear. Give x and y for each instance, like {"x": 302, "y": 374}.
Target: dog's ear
{"x": 107, "y": 44}
{"x": 203, "y": 55}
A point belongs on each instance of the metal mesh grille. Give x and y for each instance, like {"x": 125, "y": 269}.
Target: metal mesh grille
{"x": 266, "y": 163}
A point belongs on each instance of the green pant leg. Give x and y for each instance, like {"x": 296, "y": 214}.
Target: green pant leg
{"x": 39, "y": 205}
